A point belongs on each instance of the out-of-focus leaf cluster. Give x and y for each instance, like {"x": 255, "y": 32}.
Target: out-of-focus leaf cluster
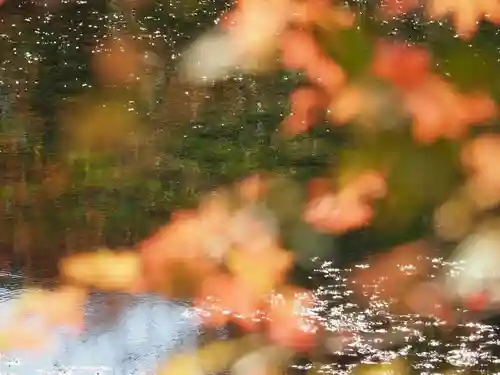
{"x": 100, "y": 142}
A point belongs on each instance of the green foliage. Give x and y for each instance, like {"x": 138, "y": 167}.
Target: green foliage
{"x": 350, "y": 48}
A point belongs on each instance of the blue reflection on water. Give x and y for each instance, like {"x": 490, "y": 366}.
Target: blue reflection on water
{"x": 149, "y": 330}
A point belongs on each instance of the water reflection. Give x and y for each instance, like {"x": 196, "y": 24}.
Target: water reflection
{"x": 148, "y": 330}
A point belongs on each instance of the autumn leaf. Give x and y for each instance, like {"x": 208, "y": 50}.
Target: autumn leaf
{"x": 260, "y": 271}
{"x": 465, "y": 14}
{"x": 437, "y": 107}
{"x": 301, "y": 51}
{"x": 223, "y": 298}
{"x": 429, "y": 299}
{"x": 347, "y": 104}
{"x": 103, "y": 269}
{"x": 176, "y": 252}
{"x": 253, "y": 229}
{"x": 60, "y": 307}
{"x": 389, "y": 273}
{"x": 252, "y": 188}
{"x": 306, "y": 104}
{"x": 211, "y": 358}
{"x": 401, "y": 64}
{"x": 251, "y": 34}
{"x": 268, "y": 360}
{"x": 337, "y": 214}
{"x": 348, "y": 208}
{"x": 19, "y": 336}
{"x": 317, "y": 187}
{"x": 480, "y": 158}
{"x": 298, "y": 49}
{"x": 291, "y": 321}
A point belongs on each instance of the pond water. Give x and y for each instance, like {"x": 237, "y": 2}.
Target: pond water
{"x": 147, "y": 331}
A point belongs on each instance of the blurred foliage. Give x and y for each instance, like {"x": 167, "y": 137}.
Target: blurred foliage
{"x": 99, "y": 147}
{"x": 88, "y": 163}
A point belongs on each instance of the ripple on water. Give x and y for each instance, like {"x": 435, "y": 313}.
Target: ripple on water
{"x": 149, "y": 329}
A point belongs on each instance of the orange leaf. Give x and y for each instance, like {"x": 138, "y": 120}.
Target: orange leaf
{"x": 298, "y": 49}
{"x": 326, "y": 73}
{"x": 389, "y": 273}
{"x": 291, "y": 322}
{"x": 224, "y": 298}
{"x": 403, "y": 65}
{"x": 306, "y": 103}
{"x": 337, "y": 214}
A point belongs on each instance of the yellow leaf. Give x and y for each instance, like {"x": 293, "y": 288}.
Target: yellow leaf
{"x": 212, "y": 358}
{"x": 104, "y": 269}
{"x": 262, "y": 271}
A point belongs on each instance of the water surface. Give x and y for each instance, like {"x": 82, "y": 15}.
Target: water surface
{"x": 147, "y": 330}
